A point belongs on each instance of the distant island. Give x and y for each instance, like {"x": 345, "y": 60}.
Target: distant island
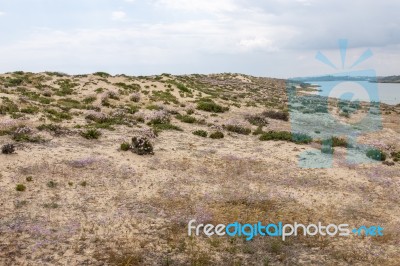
{"x": 387, "y": 79}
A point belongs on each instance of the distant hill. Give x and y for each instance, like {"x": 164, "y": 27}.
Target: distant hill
{"x": 389, "y": 79}
{"x": 335, "y": 78}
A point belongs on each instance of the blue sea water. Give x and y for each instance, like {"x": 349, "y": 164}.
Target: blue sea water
{"x": 388, "y": 93}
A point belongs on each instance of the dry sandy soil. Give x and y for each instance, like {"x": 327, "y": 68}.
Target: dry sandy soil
{"x": 81, "y": 200}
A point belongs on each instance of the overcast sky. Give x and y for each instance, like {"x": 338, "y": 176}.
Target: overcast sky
{"x": 277, "y": 38}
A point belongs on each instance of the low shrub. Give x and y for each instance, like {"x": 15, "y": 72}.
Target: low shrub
{"x": 20, "y": 187}
{"x": 257, "y": 120}
{"x": 182, "y": 88}
{"x": 53, "y": 128}
{"x": 259, "y": 131}
{"x": 89, "y": 99}
{"x": 278, "y": 115}
{"x": 127, "y": 88}
{"x": 30, "y": 110}
{"x": 24, "y": 134}
{"x": 376, "y": 155}
{"x": 298, "y": 138}
{"x": 125, "y": 146}
{"x": 237, "y": 127}
{"x": 164, "y": 96}
{"x": 339, "y": 142}
{"x": 102, "y": 74}
{"x": 211, "y": 106}
{"x": 51, "y": 184}
{"x": 135, "y": 97}
{"x": 159, "y": 117}
{"x": 327, "y": 150}
{"x": 8, "y": 149}
{"x": 217, "y": 135}
{"x": 66, "y": 87}
{"x": 200, "y": 133}
{"x": 186, "y": 119}
{"x": 276, "y": 135}
{"x": 395, "y": 156}
{"x": 56, "y": 116}
{"x": 165, "y": 126}
{"x": 141, "y": 146}
{"x": 91, "y": 134}
{"x": 97, "y": 117}
{"x": 301, "y": 138}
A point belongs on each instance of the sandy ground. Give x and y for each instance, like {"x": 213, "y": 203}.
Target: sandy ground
{"x": 89, "y": 203}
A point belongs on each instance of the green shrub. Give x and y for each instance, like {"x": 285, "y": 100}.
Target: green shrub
{"x": 182, "y": 88}
{"x": 217, "y": 135}
{"x": 154, "y": 107}
{"x": 20, "y": 187}
{"x": 68, "y": 103}
{"x": 210, "y": 106}
{"x": 8, "y": 149}
{"x": 276, "y": 135}
{"x": 125, "y": 146}
{"x": 56, "y": 116}
{"x": 164, "y": 96}
{"x": 395, "y": 156}
{"x": 24, "y": 134}
{"x": 66, "y": 87}
{"x": 102, "y": 74}
{"x": 52, "y": 205}
{"x": 34, "y": 96}
{"x": 91, "y": 134}
{"x": 165, "y": 126}
{"x": 339, "y": 142}
{"x": 99, "y": 90}
{"x": 51, "y": 184}
{"x": 132, "y": 109}
{"x": 286, "y": 136}
{"x": 278, "y": 115}
{"x": 128, "y": 87}
{"x": 8, "y": 107}
{"x": 29, "y": 178}
{"x": 142, "y": 146}
{"x": 376, "y": 154}
{"x": 89, "y": 99}
{"x": 327, "y": 150}
{"x": 201, "y": 133}
{"x": 56, "y": 129}
{"x": 258, "y": 131}
{"x": 57, "y": 74}
{"x": 30, "y": 110}
{"x": 186, "y": 119}
{"x": 238, "y": 129}
{"x": 257, "y": 120}
{"x": 301, "y": 138}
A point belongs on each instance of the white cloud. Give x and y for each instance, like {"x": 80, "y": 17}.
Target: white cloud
{"x": 118, "y": 15}
{"x": 2, "y": 13}
{"x": 258, "y": 43}
{"x": 305, "y": 2}
{"x": 212, "y": 33}
{"x": 199, "y": 6}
